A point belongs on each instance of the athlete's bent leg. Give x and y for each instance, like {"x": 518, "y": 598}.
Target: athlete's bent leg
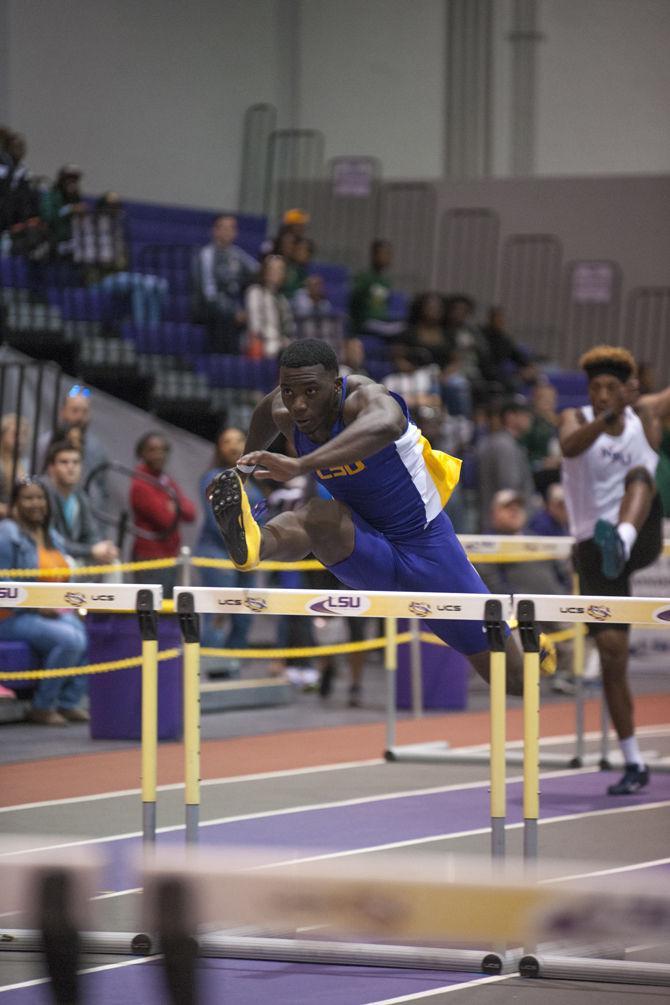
{"x": 322, "y": 528}
{"x": 616, "y": 541}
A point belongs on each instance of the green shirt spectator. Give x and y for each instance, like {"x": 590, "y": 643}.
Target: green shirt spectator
{"x": 369, "y": 297}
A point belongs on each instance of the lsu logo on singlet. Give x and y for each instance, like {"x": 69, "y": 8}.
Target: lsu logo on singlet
{"x": 323, "y": 474}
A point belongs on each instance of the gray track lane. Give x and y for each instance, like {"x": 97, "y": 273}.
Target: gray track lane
{"x": 628, "y": 836}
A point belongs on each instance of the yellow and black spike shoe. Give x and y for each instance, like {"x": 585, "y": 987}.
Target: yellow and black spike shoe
{"x": 232, "y": 513}
{"x": 548, "y": 658}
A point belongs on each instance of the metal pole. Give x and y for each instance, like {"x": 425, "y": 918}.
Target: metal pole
{"x": 531, "y": 727}
{"x": 416, "y": 669}
{"x": 578, "y": 649}
{"x": 391, "y": 667}
{"x": 149, "y": 633}
{"x": 498, "y": 673}
{"x": 190, "y": 628}
{"x": 184, "y": 562}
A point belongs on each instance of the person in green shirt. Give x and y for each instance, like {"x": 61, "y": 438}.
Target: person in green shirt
{"x": 369, "y": 297}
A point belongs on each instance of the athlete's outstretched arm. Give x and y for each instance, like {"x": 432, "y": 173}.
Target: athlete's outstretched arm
{"x": 576, "y": 434}
{"x": 373, "y": 420}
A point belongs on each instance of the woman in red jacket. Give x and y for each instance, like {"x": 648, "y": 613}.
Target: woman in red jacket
{"x": 159, "y": 506}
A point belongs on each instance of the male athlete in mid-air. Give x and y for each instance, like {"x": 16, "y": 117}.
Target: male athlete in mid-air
{"x": 385, "y": 527}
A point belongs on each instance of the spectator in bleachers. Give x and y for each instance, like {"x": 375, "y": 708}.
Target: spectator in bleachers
{"x": 158, "y": 506}
{"x": 368, "y": 304}
{"x": 60, "y": 205}
{"x": 352, "y": 358}
{"x": 71, "y": 511}
{"x": 229, "y": 448}
{"x": 75, "y": 411}
{"x": 221, "y": 272}
{"x": 552, "y": 519}
{"x": 502, "y": 463}
{"x": 99, "y": 243}
{"x": 468, "y": 352}
{"x": 310, "y": 300}
{"x": 270, "y": 322}
{"x": 297, "y": 264}
{"x": 13, "y": 461}
{"x": 426, "y": 327}
{"x": 315, "y": 316}
{"x": 541, "y": 440}
{"x": 505, "y": 365}
{"x": 19, "y": 200}
{"x": 292, "y": 228}
{"x": 416, "y": 379}
{"x": 27, "y": 541}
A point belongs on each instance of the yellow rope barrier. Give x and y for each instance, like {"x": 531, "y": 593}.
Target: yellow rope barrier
{"x": 91, "y": 668}
{"x": 336, "y": 649}
{"x": 87, "y": 570}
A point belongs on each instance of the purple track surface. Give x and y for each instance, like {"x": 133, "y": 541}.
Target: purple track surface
{"x": 364, "y": 825}
{"x": 341, "y": 828}
{"x": 248, "y": 983}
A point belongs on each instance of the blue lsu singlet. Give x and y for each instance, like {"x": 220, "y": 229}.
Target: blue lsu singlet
{"x": 403, "y": 539}
{"x": 400, "y": 489}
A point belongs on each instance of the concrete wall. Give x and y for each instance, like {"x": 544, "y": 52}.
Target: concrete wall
{"x": 372, "y": 78}
{"x": 147, "y": 97}
{"x": 603, "y": 87}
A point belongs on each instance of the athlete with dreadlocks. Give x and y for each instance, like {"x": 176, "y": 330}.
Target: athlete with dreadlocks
{"x": 609, "y": 462}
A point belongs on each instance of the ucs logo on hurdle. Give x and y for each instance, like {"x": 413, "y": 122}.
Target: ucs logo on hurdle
{"x": 253, "y": 604}
{"x": 338, "y": 605}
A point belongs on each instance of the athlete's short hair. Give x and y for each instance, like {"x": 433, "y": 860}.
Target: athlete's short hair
{"x": 309, "y": 352}
{"x": 609, "y": 359}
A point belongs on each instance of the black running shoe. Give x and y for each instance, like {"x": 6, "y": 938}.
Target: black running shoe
{"x": 633, "y": 779}
{"x": 232, "y": 513}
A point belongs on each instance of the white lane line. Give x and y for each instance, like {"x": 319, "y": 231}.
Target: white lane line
{"x": 89, "y": 970}
{"x": 288, "y": 772}
{"x": 289, "y": 810}
{"x": 445, "y": 990}
{"x": 459, "y": 834}
{"x": 610, "y": 872}
{"x": 234, "y": 779}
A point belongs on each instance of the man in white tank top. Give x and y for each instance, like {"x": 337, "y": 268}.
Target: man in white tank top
{"x": 609, "y": 462}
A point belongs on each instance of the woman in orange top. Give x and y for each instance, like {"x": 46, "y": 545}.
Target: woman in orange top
{"x": 26, "y": 542}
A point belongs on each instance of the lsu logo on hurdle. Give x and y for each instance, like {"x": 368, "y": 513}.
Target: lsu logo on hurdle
{"x": 346, "y": 604}
{"x": 662, "y": 614}
{"x": 12, "y": 594}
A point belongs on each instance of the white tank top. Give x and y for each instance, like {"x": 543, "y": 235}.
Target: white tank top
{"x": 594, "y": 481}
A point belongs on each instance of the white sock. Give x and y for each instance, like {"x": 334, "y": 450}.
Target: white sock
{"x": 628, "y": 535}
{"x": 631, "y": 751}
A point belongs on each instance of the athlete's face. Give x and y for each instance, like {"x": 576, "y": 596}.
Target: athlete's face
{"x": 311, "y": 395}
{"x": 605, "y": 392}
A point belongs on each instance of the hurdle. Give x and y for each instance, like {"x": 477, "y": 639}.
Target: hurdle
{"x": 578, "y": 610}
{"x": 144, "y": 601}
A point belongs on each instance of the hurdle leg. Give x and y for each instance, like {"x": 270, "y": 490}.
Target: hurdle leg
{"x": 498, "y": 704}
{"x": 531, "y": 727}
{"x": 391, "y": 667}
{"x": 416, "y": 668}
{"x": 149, "y": 633}
{"x": 60, "y": 940}
{"x": 190, "y": 627}
{"x": 578, "y": 651}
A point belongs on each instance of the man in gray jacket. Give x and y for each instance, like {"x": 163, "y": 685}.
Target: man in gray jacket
{"x": 71, "y": 510}
{"x": 502, "y": 463}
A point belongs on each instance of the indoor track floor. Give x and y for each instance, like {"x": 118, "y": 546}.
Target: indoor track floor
{"x": 356, "y": 807}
